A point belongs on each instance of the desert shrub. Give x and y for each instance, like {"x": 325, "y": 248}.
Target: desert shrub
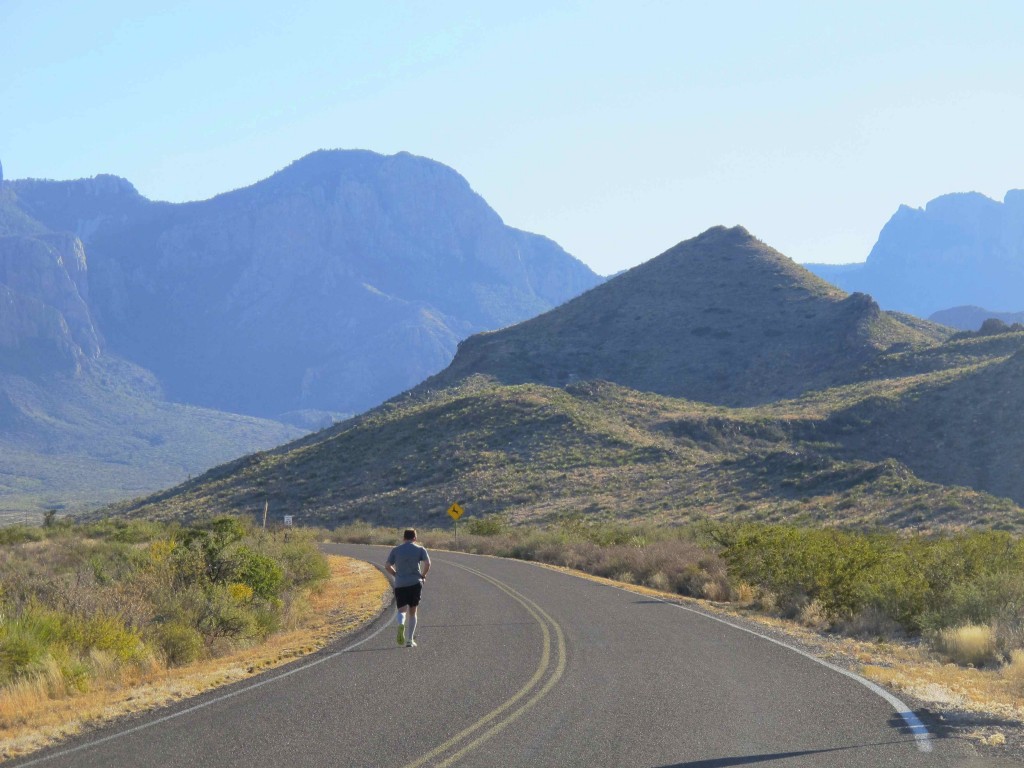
{"x": 361, "y": 532}
{"x": 259, "y": 572}
{"x": 302, "y": 563}
{"x": 104, "y": 633}
{"x": 180, "y": 643}
{"x": 490, "y": 525}
{"x": 223, "y": 617}
{"x": 972, "y": 578}
{"x": 124, "y": 531}
{"x": 918, "y": 583}
{"x": 19, "y": 534}
{"x": 800, "y": 566}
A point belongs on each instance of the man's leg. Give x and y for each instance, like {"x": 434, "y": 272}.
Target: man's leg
{"x": 411, "y": 626}
{"x": 401, "y": 624}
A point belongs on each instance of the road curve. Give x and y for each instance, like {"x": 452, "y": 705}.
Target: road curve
{"x": 519, "y": 665}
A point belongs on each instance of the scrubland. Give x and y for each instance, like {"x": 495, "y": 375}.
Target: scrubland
{"x": 101, "y": 619}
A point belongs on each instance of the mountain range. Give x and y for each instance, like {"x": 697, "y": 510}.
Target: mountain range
{"x": 718, "y": 379}
{"x": 80, "y": 426}
{"x": 132, "y": 330}
{"x": 960, "y": 249}
{"x": 336, "y": 283}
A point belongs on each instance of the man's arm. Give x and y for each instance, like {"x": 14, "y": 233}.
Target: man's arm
{"x": 425, "y": 563}
{"x": 389, "y": 566}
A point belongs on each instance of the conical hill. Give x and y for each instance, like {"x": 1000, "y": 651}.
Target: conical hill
{"x": 721, "y": 318}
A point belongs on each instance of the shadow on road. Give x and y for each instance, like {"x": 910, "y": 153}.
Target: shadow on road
{"x": 724, "y": 762}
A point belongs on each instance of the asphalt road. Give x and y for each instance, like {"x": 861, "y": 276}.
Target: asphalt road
{"x": 518, "y": 665}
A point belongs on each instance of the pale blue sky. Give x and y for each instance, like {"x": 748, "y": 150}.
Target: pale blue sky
{"x": 617, "y": 129}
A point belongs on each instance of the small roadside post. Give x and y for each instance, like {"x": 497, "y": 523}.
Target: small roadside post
{"x": 455, "y": 512}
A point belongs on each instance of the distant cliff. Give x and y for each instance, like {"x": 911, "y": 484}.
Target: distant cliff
{"x": 45, "y": 321}
{"x": 334, "y": 284}
{"x": 961, "y": 249}
{"x": 972, "y": 318}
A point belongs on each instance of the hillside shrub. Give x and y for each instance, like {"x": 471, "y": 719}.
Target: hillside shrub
{"x": 489, "y": 525}
{"x": 263, "y": 575}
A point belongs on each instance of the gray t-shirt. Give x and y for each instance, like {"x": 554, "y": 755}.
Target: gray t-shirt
{"x": 407, "y": 558}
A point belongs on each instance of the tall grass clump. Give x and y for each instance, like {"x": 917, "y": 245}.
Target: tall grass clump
{"x": 969, "y": 644}
{"x": 82, "y": 605}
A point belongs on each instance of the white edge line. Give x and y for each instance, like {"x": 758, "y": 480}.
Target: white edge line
{"x": 208, "y": 702}
{"x": 914, "y": 724}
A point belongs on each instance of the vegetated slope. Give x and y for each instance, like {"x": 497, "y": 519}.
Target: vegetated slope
{"x": 334, "y": 284}
{"x": 963, "y": 426}
{"x": 960, "y": 249}
{"x": 75, "y": 441}
{"x": 541, "y": 453}
{"x": 721, "y": 318}
{"x": 866, "y": 451}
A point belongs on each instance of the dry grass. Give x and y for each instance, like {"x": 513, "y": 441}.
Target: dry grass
{"x": 35, "y": 714}
{"x": 970, "y": 644}
{"x": 1013, "y": 673}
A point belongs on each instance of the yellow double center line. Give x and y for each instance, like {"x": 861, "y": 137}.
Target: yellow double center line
{"x": 504, "y": 715}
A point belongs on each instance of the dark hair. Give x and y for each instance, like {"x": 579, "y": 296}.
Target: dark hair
{"x": 410, "y": 534}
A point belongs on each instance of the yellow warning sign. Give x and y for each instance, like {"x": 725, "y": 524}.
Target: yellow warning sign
{"x": 455, "y": 511}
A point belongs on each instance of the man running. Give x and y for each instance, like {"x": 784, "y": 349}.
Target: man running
{"x": 404, "y": 564}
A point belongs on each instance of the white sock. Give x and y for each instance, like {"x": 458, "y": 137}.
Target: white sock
{"x": 401, "y": 617}
{"x": 411, "y": 630}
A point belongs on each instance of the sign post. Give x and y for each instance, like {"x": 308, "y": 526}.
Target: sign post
{"x": 455, "y": 512}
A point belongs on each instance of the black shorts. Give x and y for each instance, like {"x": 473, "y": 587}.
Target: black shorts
{"x": 408, "y": 595}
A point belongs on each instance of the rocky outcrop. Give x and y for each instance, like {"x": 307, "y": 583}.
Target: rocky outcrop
{"x": 45, "y": 322}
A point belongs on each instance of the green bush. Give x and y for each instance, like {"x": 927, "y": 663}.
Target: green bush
{"x": 490, "y": 525}
{"x": 19, "y": 534}
{"x": 259, "y": 572}
{"x": 180, "y": 643}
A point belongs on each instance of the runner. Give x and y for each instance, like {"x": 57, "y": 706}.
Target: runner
{"x": 404, "y": 564}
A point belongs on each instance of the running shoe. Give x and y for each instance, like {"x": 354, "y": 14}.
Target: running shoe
{"x": 411, "y": 644}
{"x": 401, "y": 634}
